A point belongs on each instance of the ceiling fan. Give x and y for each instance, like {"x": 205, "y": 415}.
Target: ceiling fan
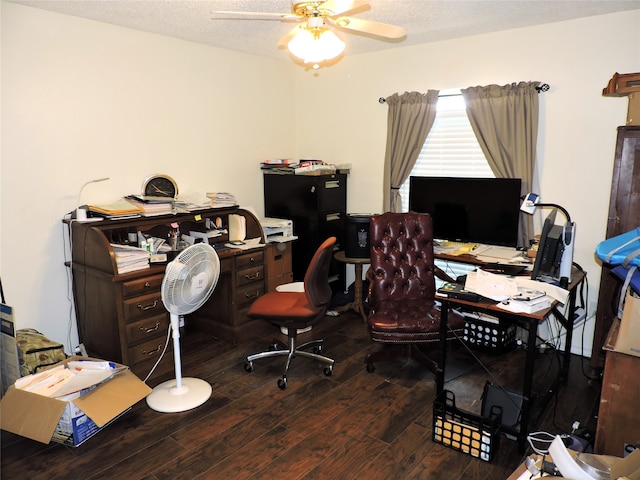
{"x": 312, "y": 39}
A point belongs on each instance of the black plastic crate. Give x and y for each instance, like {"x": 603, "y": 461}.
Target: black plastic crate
{"x": 489, "y": 336}
{"x": 464, "y": 431}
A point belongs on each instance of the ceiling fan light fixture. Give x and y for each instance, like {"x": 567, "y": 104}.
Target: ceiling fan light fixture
{"x": 316, "y": 45}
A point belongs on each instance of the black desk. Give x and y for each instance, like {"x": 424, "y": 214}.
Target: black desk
{"x": 530, "y": 322}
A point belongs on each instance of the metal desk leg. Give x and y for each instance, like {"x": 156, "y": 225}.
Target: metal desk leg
{"x": 442, "y": 346}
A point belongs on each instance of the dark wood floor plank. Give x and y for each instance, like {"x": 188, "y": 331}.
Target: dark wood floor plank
{"x": 353, "y": 424}
{"x": 142, "y": 463}
{"x": 399, "y": 458}
{"x": 254, "y": 455}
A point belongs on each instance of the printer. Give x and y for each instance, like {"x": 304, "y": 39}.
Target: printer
{"x": 278, "y": 229}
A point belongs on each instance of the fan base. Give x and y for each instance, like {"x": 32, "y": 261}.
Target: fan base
{"x": 167, "y": 398}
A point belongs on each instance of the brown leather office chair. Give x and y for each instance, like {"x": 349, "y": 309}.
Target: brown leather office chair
{"x": 402, "y": 289}
{"x": 298, "y": 310}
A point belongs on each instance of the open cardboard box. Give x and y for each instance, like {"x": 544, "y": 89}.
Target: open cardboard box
{"x": 46, "y": 419}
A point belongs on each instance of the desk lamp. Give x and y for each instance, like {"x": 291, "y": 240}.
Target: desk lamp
{"x": 81, "y": 213}
{"x": 529, "y": 205}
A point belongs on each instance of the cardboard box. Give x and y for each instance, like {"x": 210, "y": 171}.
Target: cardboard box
{"x": 629, "y": 336}
{"x": 46, "y": 419}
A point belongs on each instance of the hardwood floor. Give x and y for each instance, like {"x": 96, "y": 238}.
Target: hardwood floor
{"x": 350, "y": 425}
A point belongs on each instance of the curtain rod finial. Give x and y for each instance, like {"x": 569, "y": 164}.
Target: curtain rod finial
{"x": 382, "y": 100}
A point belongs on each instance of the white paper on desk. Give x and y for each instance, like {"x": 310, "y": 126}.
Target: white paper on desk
{"x": 248, "y": 244}
{"x": 557, "y": 293}
{"x": 491, "y": 285}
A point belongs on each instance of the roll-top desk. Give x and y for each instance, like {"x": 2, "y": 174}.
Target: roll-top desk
{"x": 121, "y": 317}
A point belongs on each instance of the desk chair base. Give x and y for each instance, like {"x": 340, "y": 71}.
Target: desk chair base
{"x": 406, "y": 350}
{"x": 290, "y": 352}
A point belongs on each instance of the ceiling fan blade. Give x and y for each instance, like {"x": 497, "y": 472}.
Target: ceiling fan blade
{"x": 345, "y": 7}
{"x": 368, "y": 26}
{"x": 284, "y": 41}
{"x": 253, "y": 14}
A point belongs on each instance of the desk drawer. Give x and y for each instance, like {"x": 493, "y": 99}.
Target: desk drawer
{"x": 142, "y": 285}
{"x": 250, "y": 259}
{"x": 143, "y": 306}
{"x": 146, "y": 351}
{"x": 248, "y": 293}
{"x": 147, "y": 328}
{"x": 249, "y": 275}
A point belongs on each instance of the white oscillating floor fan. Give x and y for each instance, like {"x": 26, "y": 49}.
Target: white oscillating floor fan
{"x": 188, "y": 282}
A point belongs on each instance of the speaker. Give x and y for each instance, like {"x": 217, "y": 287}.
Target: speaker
{"x": 357, "y": 235}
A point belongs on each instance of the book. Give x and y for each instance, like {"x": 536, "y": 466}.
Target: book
{"x": 532, "y": 305}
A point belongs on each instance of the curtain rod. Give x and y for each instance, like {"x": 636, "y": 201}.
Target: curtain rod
{"x": 541, "y": 88}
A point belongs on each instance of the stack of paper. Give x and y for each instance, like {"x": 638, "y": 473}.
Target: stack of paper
{"x": 222, "y": 199}
{"x": 129, "y": 259}
{"x": 151, "y": 206}
{"x": 60, "y": 381}
{"x": 118, "y": 209}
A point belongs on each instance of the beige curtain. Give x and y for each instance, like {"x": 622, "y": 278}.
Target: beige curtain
{"x": 411, "y": 116}
{"x": 505, "y": 122}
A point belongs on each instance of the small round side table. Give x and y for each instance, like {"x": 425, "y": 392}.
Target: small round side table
{"x": 357, "y": 305}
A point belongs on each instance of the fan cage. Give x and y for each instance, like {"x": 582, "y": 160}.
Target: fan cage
{"x": 190, "y": 279}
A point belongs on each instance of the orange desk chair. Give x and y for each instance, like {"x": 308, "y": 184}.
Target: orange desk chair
{"x": 298, "y": 310}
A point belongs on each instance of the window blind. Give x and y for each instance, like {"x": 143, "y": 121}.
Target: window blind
{"x": 451, "y": 148}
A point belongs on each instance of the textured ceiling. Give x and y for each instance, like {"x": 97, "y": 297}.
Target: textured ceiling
{"x": 424, "y": 20}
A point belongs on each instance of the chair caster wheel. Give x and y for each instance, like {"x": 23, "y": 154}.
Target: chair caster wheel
{"x": 317, "y": 350}
{"x": 248, "y": 367}
{"x": 328, "y": 371}
{"x": 282, "y": 383}
{"x": 371, "y": 367}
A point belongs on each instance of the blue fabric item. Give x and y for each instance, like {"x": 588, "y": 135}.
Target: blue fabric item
{"x": 622, "y": 272}
{"x": 623, "y": 249}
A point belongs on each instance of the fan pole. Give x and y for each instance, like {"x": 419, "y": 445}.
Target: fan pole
{"x": 175, "y": 327}
{"x": 172, "y": 395}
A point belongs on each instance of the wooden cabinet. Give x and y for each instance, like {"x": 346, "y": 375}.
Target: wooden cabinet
{"x": 624, "y": 212}
{"x": 318, "y": 207}
{"x": 619, "y": 415}
{"x": 121, "y": 317}
{"x": 279, "y": 264}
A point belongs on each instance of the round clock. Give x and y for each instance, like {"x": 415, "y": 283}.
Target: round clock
{"x": 160, "y": 185}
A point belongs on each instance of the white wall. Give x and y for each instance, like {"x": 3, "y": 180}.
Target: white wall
{"x": 82, "y": 100}
{"x": 577, "y": 129}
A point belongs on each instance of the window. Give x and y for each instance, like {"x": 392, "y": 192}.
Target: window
{"x": 451, "y": 149}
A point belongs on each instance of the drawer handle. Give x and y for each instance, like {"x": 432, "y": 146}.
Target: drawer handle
{"x": 252, "y": 277}
{"x": 152, "y": 352}
{"x": 252, "y": 259}
{"x": 148, "y": 307}
{"x": 332, "y": 184}
{"x": 251, "y": 296}
{"x": 147, "y": 284}
{"x": 150, "y": 329}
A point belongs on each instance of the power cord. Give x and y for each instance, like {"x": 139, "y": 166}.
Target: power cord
{"x": 164, "y": 350}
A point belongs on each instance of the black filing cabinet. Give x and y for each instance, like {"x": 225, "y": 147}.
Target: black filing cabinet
{"x": 318, "y": 207}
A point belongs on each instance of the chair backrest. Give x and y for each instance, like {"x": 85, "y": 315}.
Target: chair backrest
{"x": 402, "y": 259}
{"x": 316, "y": 278}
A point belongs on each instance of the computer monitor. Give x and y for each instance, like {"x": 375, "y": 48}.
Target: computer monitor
{"x": 477, "y": 210}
